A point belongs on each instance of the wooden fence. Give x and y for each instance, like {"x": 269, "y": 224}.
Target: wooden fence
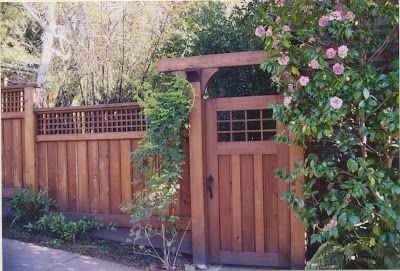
{"x": 82, "y": 154}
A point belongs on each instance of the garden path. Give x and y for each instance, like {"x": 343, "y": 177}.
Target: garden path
{"x": 20, "y": 256}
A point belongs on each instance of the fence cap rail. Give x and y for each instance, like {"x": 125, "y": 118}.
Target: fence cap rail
{"x": 81, "y": 108}
{"x": 12, "y": 87}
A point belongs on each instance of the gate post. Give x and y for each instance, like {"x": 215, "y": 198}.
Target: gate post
{"x": 297, "y": 238}
{"x": 30, "y": 101}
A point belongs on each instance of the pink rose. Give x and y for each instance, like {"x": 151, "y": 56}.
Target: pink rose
{"x": 338, "y": 68}
{"x": 342, "y": 51}
{"x": 314, "y": 64}
{"x": 349, "y": 16}
{"x": 280, "y": 3}
{"x": 285, "y": 28}
{"x": 311, "y": 39}
{"x": 287, "y": 100}
{"x": 332, "y": 223}
{"x": 336, "y": 15}
{"x": 260, "y": 31}
{"x": 268, "y": 32}
{"x": 336, "y": 102}
{"x": 290, "y": 87}
{"x": 347, "y": 200}
{"x": 284, "y": 60}
{"x": 323, "y": 21}
{"x": 276, "y": 44}
{"x": 304, "y": 80}
{"x": 331, "y": 53}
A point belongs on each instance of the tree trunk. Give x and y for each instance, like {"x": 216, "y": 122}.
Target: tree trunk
{"x": 47, "y": 38}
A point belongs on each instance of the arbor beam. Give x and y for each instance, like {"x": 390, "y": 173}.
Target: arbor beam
{"x": 212, "y": 61}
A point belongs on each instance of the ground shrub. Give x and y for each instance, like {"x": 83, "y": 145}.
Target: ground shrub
{"x": 72, "y": 230}
{"x": 28, "y": 206}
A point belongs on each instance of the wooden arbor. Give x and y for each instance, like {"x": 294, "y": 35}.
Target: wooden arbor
{"x": 198, "y": 70}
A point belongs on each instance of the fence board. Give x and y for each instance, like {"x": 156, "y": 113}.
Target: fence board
{"x": 93, "y": 167}
{"x": 83, "y": 192}
{"x": 115, "y": 176}
{"x": 104, "y": 176}
{"x": 52, "y": 169}
{"x": 62, "y": 183}
{"x": 8, "y": 153}
{"x": 42, "y": 164}
{"x": 247, "y": 197}
{"x": 126, "y": 173}
{"x": 72, "y": 176}
{"x": 17, "y": 153}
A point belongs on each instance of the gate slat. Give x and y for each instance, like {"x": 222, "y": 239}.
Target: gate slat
{"x": 271, "y": 203}
{"x": 259, "y": 203}
{"x": 247, "y": 190}
{"x": 236, "y": 204}
{"x": 225, "y": 186}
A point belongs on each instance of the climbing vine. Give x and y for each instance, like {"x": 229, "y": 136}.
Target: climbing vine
{"x": 159, "y": 156}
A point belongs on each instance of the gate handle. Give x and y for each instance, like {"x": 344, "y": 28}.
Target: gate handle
{"x": 210, "y": 181}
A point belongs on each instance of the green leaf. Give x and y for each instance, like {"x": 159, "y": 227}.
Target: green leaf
{"x": 295, "y": 71}
{"x": 352, "y": 165}
{"x": 354, "y": 219}
{"x": 366, "y": 93}
{"x": 376, "y": 230}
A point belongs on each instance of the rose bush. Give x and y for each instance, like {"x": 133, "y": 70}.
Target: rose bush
{"x": 337, "y": 67}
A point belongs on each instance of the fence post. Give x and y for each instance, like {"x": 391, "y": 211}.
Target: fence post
{"x": 30, "y": 94}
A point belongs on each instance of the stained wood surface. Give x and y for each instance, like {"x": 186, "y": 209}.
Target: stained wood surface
{"x": 253, "y": 223}
{"x": 212, "y": 61}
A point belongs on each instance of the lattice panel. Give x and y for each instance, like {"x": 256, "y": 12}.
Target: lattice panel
{"x": 93, "y": 121}
{"x": 12, "y": 100}
{"x": 245, "y": 125}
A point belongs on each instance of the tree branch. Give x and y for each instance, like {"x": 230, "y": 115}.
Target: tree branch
{"x": 34, "y": 14}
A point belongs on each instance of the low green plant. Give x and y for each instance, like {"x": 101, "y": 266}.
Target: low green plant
{"x": 334, "y": 255}
{"x": 72, "y": 230}
{"x": 29, "y": 206}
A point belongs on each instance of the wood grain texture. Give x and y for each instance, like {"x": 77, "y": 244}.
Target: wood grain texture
{"x": 271, "y": 204}
{"x": 93, "y": 167}
{"x": 115, "y": 177}
{"x": 42, "y": 165}
{"x": 126, "y": 172}
{"x": 72, "y": 176}
{"x": 83, "y": 186}
{"x": 17, "y": 153}
{"x": 104, "y": 176}
{"x": 62, "y": 182}
{"x": 225, "y": 191}
{"x": 247, "y": 199}
{"x": 7, "y": 152}
{"x": 52, "y": 169}
{"x": 236, "y": 204}
{"x": 259, "y": 204}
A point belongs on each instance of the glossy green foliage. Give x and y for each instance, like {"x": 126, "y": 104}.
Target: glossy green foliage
{"x": 348, "y": 120}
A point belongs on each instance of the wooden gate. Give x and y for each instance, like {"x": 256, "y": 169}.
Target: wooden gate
{"x": 247, "y": 222}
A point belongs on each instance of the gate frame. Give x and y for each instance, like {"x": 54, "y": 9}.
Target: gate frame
{"x": 198, "y": 70}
